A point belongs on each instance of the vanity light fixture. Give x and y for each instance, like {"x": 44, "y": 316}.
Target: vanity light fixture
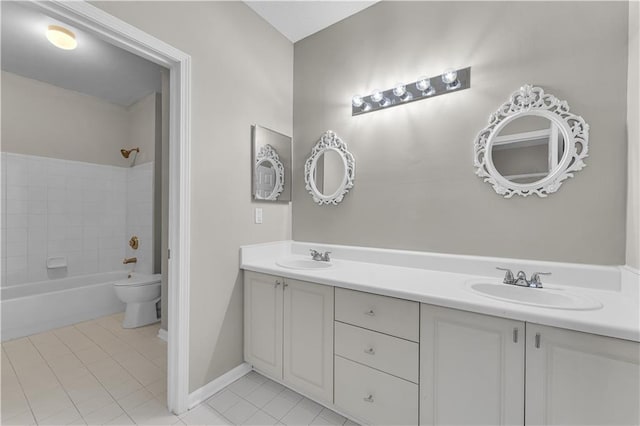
{"x": 424, "y": 86}
{"x": 401, "y": 92}
{"x": 379, "y": 97}
{"x": 357, "y": 102}
{"x": 451, "y": 80}
{"x": 61, "y": 37}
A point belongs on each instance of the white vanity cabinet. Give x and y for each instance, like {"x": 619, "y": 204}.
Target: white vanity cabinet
{"x": 471, "y": 368}
{"x": 480, "y": 369}
{"x": 575, "y": 378}
{"x": 288, "y": 332}
{"x": 376, "y": 362}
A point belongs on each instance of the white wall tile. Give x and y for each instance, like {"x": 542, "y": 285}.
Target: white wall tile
{"x": 85, "y": 212}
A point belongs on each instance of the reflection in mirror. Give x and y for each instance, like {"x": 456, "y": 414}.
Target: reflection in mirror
{"x": 265, "y": 180}
{"x": 330, "y": 170}
{"x": 271, "y": 165}
{"x": 531, "y": 145}
{"x": 527, "y": 149}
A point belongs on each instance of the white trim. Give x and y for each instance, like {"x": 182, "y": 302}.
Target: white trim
{"x": 162, "y": 334}
{"x": 630, "y": 269}
{"x": 95, "y": 21}
{"x": 216, "y": 385}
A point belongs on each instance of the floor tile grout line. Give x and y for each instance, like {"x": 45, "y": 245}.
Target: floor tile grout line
{"x": 114, "y": 359}
{"x": 126, "y": 343}
{"x": 281, "y": 391}
{"x": 20, "y": 383}
{"x": 114, "y": 335}
{"x": 58, "y": 378}
{"x": 122, "y": 366}
{"x": 93, "y": 375}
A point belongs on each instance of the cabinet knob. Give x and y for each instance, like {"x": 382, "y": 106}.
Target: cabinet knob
{"x": 278, "y": 283}
{"x": 370, "y": 351}
{"x": 368, "y": 398}
{"x": 370, "y": 313}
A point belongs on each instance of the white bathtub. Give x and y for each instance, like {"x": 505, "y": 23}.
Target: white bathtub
{"x": 35, "y": 307}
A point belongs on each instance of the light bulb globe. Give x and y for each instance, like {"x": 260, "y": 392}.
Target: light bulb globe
{"x": 399, "y": 90}
{"x": 449, "y": 76}
{"x": 377, "y": 95}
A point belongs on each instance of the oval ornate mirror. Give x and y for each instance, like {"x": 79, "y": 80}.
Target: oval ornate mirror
{"x": 531, "y": 145}
{"x": 269, "y": 174}
{"x": 330, "y": 170}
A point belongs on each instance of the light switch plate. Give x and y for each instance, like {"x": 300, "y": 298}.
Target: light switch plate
{"x": 258, "y": 215}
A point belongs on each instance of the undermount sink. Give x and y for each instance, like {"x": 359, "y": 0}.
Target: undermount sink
{"x": 541, "y": 297}
{"x": 302, "y": 263}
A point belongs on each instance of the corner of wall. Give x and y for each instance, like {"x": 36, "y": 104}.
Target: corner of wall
{"x": 633, "y": 140}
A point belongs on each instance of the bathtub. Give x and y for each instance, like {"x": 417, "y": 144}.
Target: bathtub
{"x": 40, "y": 306}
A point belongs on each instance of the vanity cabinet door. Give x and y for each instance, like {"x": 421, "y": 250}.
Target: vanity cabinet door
{"x": 471, "y": 368}
{"x": 580, "y": 378}
{"x": 308, "y": 338}
{"x": 263, "y": 322}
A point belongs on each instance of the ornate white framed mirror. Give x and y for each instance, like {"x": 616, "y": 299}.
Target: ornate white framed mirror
{"x": 330, "y": 170}
{"x": 271, "y": 165}
{"x": 531, "y": 145}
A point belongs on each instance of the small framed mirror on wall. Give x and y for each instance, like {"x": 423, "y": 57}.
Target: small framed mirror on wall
{"x": 330, "y": 170}
{"x": 270, "y": 165}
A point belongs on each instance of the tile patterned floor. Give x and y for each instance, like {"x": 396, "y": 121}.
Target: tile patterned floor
{"x": 96, "y": 372}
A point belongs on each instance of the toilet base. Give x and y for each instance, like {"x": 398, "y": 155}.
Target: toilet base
{"x": 140, "y": 314}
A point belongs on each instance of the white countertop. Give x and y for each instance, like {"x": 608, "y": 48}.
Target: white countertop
{"x": 619, "y": 317}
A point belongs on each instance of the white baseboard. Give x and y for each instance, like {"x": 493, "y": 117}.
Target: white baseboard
{"x": 208, "y": 390}
{"x": 163, "y": 334}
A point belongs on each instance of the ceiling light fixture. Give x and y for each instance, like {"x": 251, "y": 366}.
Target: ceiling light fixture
{"x": 61, "y": 37}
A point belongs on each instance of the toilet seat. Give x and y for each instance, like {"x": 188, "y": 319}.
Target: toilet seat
{"x": 139, "y": 280}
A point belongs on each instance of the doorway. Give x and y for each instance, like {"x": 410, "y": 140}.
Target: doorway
{"x": 94, "y": 21}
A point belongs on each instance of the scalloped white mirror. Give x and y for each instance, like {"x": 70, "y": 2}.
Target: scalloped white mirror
{"x": 531, "y": 145}
{"x": 271, "y": 165}
{"x": 330, "y": 170}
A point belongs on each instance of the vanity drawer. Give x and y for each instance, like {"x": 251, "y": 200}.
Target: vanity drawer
{"x": 392, "y": 355}
{"x": 376, "y": 398}
{"x": 388, "y": 315}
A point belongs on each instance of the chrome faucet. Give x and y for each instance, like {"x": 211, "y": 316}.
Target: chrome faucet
{"x": 320, "y": 257}
{"x": 521, "y": 278}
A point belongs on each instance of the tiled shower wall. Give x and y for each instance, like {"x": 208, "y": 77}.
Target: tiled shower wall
{"x": 71, "y": 209}
{"x": 140, "y": 214}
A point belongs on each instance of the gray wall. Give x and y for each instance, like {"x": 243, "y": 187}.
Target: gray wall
{"x": 84, "y": 128}
{"x": 633, "y": 112}
{"x": 242, "y": 71}
{"x": 415, "y": 186}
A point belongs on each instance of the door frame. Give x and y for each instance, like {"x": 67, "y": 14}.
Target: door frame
{"x": 97, "y": 22}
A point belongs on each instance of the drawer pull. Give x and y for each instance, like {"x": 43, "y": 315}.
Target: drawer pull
{"x": 277, "y": 283}
{"x": 368, "y": 399}
{"x": 370, "y": 313}
{"x": 370, "y": 351}
{"x": 515, "y": 335}
{"x": 537, "y": 341}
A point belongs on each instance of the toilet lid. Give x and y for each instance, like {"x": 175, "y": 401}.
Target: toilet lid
{"x": 138, "y": 280}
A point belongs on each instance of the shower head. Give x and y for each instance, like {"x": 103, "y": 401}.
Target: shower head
{"x": 126, "y": 152}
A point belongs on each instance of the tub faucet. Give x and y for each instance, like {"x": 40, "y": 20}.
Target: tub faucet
{"x": 128, "y": 260}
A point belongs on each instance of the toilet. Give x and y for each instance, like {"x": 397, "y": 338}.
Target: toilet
{"x": 141, "y": 293}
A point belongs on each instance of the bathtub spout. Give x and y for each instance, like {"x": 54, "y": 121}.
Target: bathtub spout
{"x": 128, "y": 260}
